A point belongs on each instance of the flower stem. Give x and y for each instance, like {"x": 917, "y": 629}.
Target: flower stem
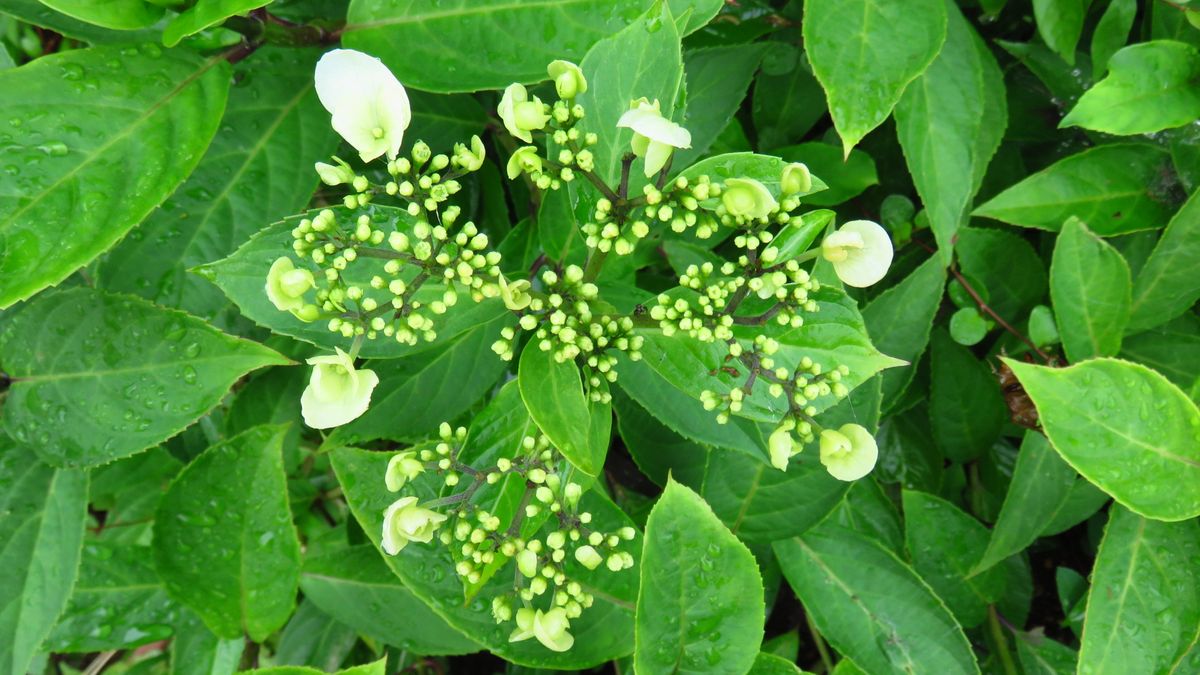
{"x": 1006, "y": 660}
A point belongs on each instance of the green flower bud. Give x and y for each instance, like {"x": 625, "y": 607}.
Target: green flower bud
{"x": 524, "y": 160}
{"x": 527, "y": 563}
{"x": 421, "y": 152}
{"x": 286, "y": 285}
{"x": 515, "y": 295}
{"x": 747, "y": 198}
{"x": 402, "y": 468}
{"x": 796, "y": 179}
{"x": 472, "y": 159}
{"x": 519, "y": 114}
{"x": 568, "y": 79}
{"x": 334, "y": 175}
{"x": 588, "y": 557}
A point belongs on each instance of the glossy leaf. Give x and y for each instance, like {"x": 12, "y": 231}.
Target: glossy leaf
{"x": 553, "y": 393}
{"x": 1172, "y": 349}
{"x": 224, "y": 543}
{"x": 146, "y": 372}
{"x": 1012, "y": 273}
{"x": 602, "y": 633}
{"x": 1113, "y": 188}
{"x": 42, "y": 512}
{"x": 865, "y": 52}
{"x": 950, "y": 122}
{"x": 313, "y": 638}
{"x": 1112, "y": 31}
{"x": 257, "y": 171}
{"x": 871, "y": 606}
{"x": 1165, "y": 287}
{"x": 966, "y": 408}
{"x": 1144, "y": 452}
{"x": 1090, "y": 286}
{"x": 115, "y": 14}
{"x": 944, "y": 542}
{"x": 1145, "y": 583}
{"x": 196, "y": 651}
{"x": 35, "y": 13}
{"x": 1060, "y": 23}
{"x": 899, "y": 321}
{"x": 1041, "y": 485}
{"x": 118, "y": 602}
{"x": 716, "y": 80}
{"x": 786, "y": 105}
{"x": 1039, "y": 655}
{"x": 140, "y": 119}
{"x": 695, "y": 608}
{"x": 1150, "y": 86}
{"x": 205, "y": 15}
{"x": 467, "y": 45}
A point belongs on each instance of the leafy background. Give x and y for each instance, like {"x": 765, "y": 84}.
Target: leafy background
{"x": 162, "y": 509}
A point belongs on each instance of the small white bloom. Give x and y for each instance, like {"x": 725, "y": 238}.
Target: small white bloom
{"x": 861, "y": 252}
{"x": 336, "y": 392}
{"x": 402, "y": 468}
{"x": 519, "y": 114}
{"x": 405, "y": 521}
{"x": 848, "y": 453}
{"x": 369, "y": 106}
{"x": 781, "y": 445}
{"x": 286, "y": 285}
{"x": 654, "y": 136}
{"x": 550, "y": 628}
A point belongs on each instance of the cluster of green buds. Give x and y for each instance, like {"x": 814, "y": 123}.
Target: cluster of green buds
{"x": 544, "y": 597}
{"x": 373, "y": 267}
{"x": 523, "y": 115}
{"x": 563, "y": 322}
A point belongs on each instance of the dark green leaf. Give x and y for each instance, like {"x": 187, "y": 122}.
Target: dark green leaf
{"x": 42, "y": 512}
{"x": 313, "y": 638}
{"x": 1012, "y": 274}
{"x": 1166, "y": 285}
{"x": 224, "y": 542}
{"x": 1111, "y": 32}
{"x": 717, "y": 79}
{"x": 786, "y": 105}
{"x": 1060, "y": 23}
{"x": 140, "y": 120}
{"x": 1172, "y": 349}
{"x": 196, "y": 651}
{"x": 899, "y": 321}
{"x": 966, "y": 408}
{"x": 695, "y": 609}
{"x": 146, "y": 373}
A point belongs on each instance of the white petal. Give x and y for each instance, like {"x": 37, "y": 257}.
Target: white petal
{"x": 656, "y": 127}
{"x": 320, "y": 414}
{"x": 362, "y": 95}
{"x": 866, "y": 266}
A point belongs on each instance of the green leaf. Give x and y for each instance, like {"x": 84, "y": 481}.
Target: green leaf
{"x": 1060, "y": 23}
{"x": 196, "y": 651}
{"x": 717, "y": 79}
{"x": 770, "y": 664}
{"x": 257, "y": 170}
{"x": 1144, "y": 603}
{"x": 1172, "y": 349}
{"x": 1090, "y": 286}
{"x": 242, "y": 277}
{"x": 146, "y": 372}
{"x": 1113, "y": 188}
{"x": 140, "y": 120}
{"x": 846, "y": 177}
{"x": 966, "y": 408}
{"x": 871, "y": 606}
{"x": 868, "y": 510}
{"x": 417, "y": 393}
{"x": 1041, "y": 484}
{"x": 643, "y": 60}
{"x": 441, "y": 121}
{"x": 115, "y": 14}
{"x": 224, "y": 542}
{"x": 467, "y": 45}
{"x": 1143, "y": 450}
{"x": 554, "y": 394}
{"x": 118, "y": 602}
{"x": 1150, "y": 86}
{"x": 1012, "y": 273}
{"x": 205, "y": 15}
{"x": 374, "y": 668}
{"x": 900, "y": 319}
{"x": 42, "y": 515}
{"x": 950, "y": 122}
{"x": 1166, "y": 285}
{"x": 35, "y": 13}
{"x": 1039, "y": 655}
{"x": 604, "y": 632}
{"x": 832, "y": 336}
{"x": 1083, "y": 501}
{"x": 786, "y": 105}
{"x": 944, "y": 543}
{"x": 313, "y": 638}
{"x": 1112, "y": 31}
{"x": 766, "y": 169}
{"x": 865, "y": 52}
{"x": 696, "y": 609}
{"x": 343, "y": 582}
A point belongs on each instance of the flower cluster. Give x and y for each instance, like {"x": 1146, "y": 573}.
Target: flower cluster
{"x": 543, "y": 598}
{"x": 523, "y": 115}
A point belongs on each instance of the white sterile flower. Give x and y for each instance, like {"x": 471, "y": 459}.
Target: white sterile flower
{"x": 549, "y": 627}
{"x": 848, "y": 453}
{"x": 369, "y": 106}
{"x": 336, "y": 392}
{"x": 860, "y": 251}
{"x": 654, "y": 136}
{"x": 286, "y": 285}
{"x": 519, "y": 114}
{"x": 781, "y": 445}
{"x": 402, "y": 468}
{"x": 405, "y": 521}
{"x": 747, "y": 198}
